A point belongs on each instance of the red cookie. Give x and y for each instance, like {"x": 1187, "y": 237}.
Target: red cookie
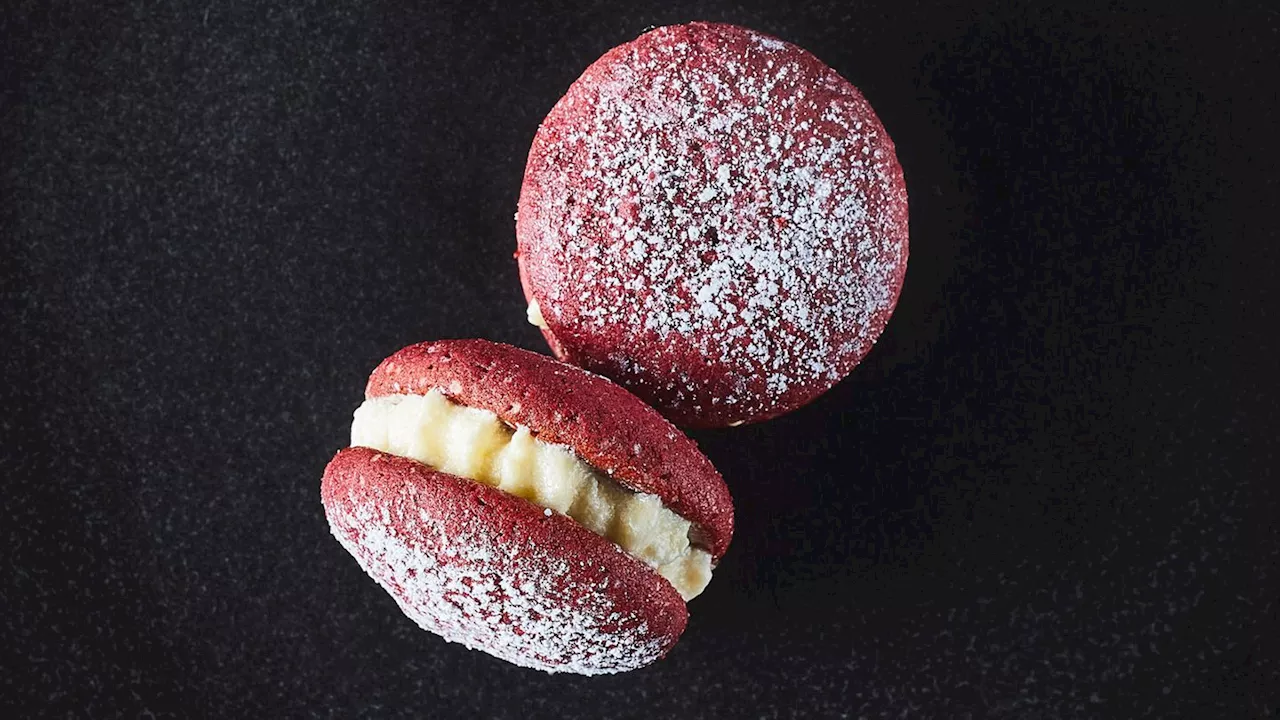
{"x": 467, "y": 560}
{"x": 716, "y": 220}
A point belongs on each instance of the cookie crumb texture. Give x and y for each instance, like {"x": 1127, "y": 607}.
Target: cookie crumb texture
{"x": 474, "y": 565}
{"x": 716, "y": 220}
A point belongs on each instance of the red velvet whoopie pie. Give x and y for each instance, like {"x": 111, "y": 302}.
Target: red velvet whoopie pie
{"x": 714, "y": 219}
{"x": 527, "y": 508}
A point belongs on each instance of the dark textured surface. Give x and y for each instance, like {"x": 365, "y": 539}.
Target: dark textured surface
{"x": 1048, "y": 492}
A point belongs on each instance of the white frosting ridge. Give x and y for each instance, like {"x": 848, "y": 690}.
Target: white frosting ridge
{"x": 476, "y": 444}
{"x": 534, "y": 315}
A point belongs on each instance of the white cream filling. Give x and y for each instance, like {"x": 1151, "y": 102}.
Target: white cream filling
{"x": 534, "y": 314}
{"x": 476, "y": 444}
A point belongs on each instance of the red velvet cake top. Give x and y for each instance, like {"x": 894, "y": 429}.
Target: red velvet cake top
{"x": 715, "y": 219}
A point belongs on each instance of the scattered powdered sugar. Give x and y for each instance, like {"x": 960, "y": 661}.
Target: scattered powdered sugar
{"x": 731, "y": 200}
{"x": 506, "y": 596}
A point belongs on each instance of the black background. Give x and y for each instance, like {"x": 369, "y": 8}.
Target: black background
{"x": 1047, "y": 493}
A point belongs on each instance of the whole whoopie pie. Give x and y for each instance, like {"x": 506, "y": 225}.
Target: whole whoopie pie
{"x": 527, "y": 508}
{"x": 716, "y": 220}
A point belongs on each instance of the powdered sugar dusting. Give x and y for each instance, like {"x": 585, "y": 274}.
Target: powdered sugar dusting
{"x": 714, "y": 198}
{"x": 447, "y": 582}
